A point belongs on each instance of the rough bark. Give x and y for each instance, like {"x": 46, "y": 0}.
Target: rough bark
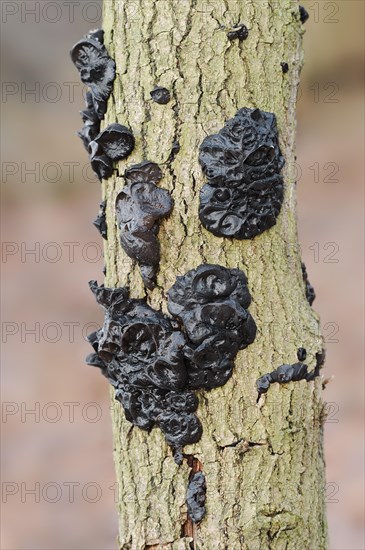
{"x": 263, "y": 462}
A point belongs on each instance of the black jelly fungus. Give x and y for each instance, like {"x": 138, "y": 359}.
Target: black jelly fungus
{"x": 302, "y": 354}
{"x": 242, "y": 163}
{"x": 211, "y": 302}
{"x": 153, "y": 365}
{"x": 141, "y": 353}
{"x": 102, "y": 166}
{"x": 91, "y": 122}
{"x": 96, "y": 68}
{"x": 291, "y": 373}
{"x": 116, "y": 141}
{"x": 303, "y": 14}
{"x": 139, "y": 207}
{"x": 100, "y": 221}
{"x": 309, "y": 290}
{"x": 240, "y": 32}
{"x": 284, "y": 67}
{"x": 160, "y": 95}
{"x": 196, "y": 497}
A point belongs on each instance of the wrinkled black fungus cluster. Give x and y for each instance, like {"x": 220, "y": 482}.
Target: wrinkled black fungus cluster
{"x": 139, "y": 207}
{"x": 211, "y": 302}
{"x": 153, "y": 365}
{"x": 96, "y": 68}
{"x": 242, "y": 162}
{"x": 303, "y": 14}
{"x": 141, "y": 352}
{"x": 290, "y": 373}
{"x": 160, "y": 95}
{"x": 240, "y": 33}
{"x": 196, "y": 496}
{"x": 309, "y": 290}
{"x": 100, "y": 221}
{"x": 114, "y": 143}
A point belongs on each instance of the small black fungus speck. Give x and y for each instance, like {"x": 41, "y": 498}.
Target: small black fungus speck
{"x": 284, "y": 67}
{"x": 303, "y": 14}
{"x": 174, "y": 151}
{"x": 160, "y": 95}
{"x": 100, "y": 221}
{"x": 302, "y": 354}
{"x": 309, "y": 290}
{"x": 139, "y": 207}
{"x": 196, "y": 497}
{"x": 240, "y": 32}
{"x": 245, "y": 188}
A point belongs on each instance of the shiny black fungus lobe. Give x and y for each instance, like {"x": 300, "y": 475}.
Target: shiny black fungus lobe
{"x": 290, "y": 373}
{"x": 96, "y": 68}
{"x": 160, "y": 95}
{"x": 309, "y": 290}
{"x": 196, "y": 497}
{"x": 211, "y": 302}
{"x": 303, "y": 14}
{"x": 114, "y": 143}
{"x": 139, "y": 207}
{"x": 91, "y": 122}
{"x": 240, "y": 33}
{"x": 245, "y": 188}
{"x": 100, "y": 221}
{"x": 140, "y": 351}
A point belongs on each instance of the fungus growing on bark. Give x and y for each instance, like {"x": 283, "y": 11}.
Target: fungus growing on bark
{"x": 139, "y": 207}
{"x": 153, "y": 365}
{"x": 240, "y": 32}
{"x": 309, "y": 290}
{"x": 302, "y": 354}
{"x": 91, "y": 122}
{"x": 196, "y": 497}
{"x": 290, "y": 373}
{"x": 114, "y": 143}
{"x": 284, "y": 67}
{"x": 160, "y": 95}
{"x": 303, "y": 14}
{"x": 211, "y": 302}
{"x": 100, "y": 221}
{"x": 96, "y": 68}
{"x": 140, "y": 351}
{"x": 245, "y": 189}
{"x": 101, "y": 164}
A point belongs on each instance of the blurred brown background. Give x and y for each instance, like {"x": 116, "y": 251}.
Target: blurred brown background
{"x": 57, "y": 468}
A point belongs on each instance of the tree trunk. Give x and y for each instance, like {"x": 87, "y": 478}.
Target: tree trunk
{"x": 263, "y": 462}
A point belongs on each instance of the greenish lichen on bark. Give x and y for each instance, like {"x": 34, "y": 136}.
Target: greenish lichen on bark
{"x": 263, "y": 462}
